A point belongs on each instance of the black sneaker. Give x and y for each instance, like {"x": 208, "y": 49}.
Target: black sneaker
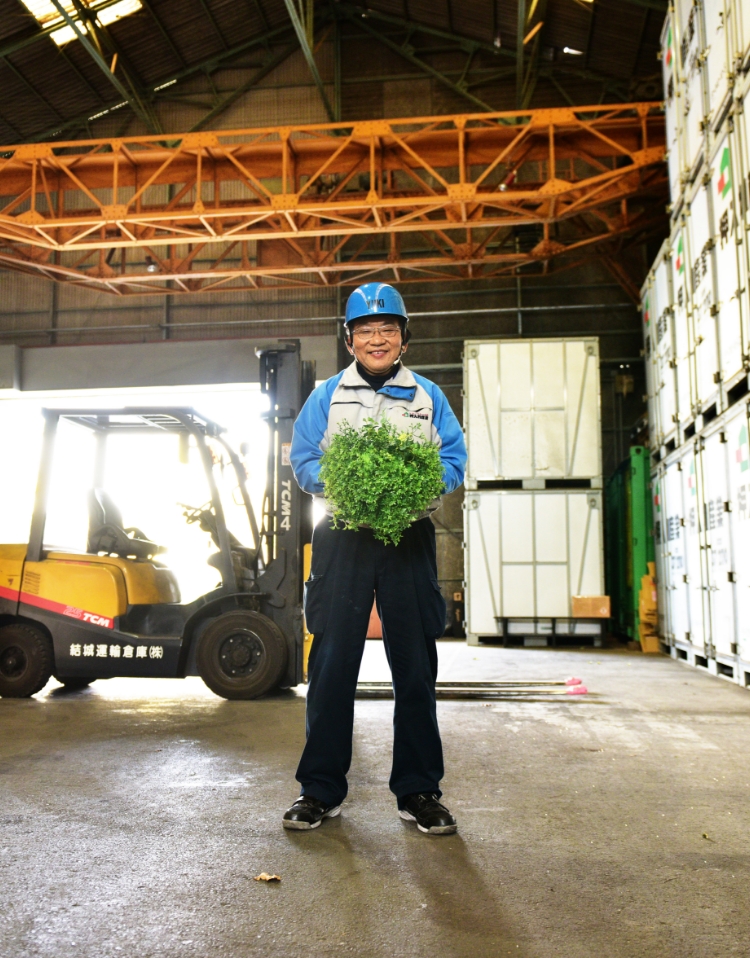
{"x": 431, "y": 817}
{"x": 308, "y": 812}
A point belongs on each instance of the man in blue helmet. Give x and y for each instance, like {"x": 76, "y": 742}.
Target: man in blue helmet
{"x": 350, "y": 566}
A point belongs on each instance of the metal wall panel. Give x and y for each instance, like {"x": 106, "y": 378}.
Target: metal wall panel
{"x": 528, "y": 553}
{"x": 531, "y": 408}
{"x": 719, "y": 564}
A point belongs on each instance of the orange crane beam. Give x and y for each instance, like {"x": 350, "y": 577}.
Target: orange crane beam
{"x": 419, "y": 198}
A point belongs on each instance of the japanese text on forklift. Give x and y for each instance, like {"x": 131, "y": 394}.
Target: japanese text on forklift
{"x": 350, "y": 566}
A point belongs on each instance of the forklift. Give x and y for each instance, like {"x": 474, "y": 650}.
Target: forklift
{"x": 115, "y": 609}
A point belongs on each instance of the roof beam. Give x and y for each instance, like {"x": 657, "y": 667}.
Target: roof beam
{"x": 308, "y": 55}
{"x": 271, "y": 63}
{"x": 425, "y": 67}
{"x": 32, "y": 89}
{"x": 520, "y": 31}
{"x": 96, "y": 56}
{"x": 27, "y": 38}
{"x": 211, "y": 62}
{"x": 210, "y": 17}
{"x": 149, "y": 7}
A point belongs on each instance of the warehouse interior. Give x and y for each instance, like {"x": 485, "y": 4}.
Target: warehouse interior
{"x": 189, "y": 192}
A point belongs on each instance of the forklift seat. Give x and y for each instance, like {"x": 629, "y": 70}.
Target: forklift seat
{"x": 106, "y": 532}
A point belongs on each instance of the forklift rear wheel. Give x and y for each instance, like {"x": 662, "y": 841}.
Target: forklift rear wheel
{"x": 26, "y": 660}
{"x": 241, "y": 655}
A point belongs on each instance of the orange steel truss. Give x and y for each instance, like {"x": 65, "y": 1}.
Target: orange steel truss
{"x": 415, "y": 199}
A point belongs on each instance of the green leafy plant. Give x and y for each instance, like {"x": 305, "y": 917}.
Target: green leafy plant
{"x": 380, "y": 476}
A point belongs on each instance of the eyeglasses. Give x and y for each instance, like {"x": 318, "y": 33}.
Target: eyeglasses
{"x": 365, "y": 333}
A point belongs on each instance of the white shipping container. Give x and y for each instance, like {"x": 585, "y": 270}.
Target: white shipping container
{"x": 738, "y": 455}
{"x": 693, "y": 541}
{"x": 727, "y": 248}
{"x": 716, "y": 55}
{"x": 528, "y": 553}
{"x": 531, "y": 409}
{"x": 683, "y": 337}
{"x": 705, "y": 348}
{"x": 719, "y": 565}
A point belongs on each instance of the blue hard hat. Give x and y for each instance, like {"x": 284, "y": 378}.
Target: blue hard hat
{"x": 375, "y": 299}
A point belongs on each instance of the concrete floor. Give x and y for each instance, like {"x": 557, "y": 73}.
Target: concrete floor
{"x": 135, "y": 814}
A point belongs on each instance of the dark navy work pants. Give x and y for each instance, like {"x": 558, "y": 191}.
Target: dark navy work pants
{"x": 348, "y": 567}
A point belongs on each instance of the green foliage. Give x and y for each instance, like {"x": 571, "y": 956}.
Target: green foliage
{"x": 380, "y": 476}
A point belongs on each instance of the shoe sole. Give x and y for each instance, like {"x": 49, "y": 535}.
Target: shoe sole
{"x": 435, "y": 830}
{"x": 306, "y": 826}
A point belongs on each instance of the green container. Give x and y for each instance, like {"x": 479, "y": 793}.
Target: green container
{"x": 629, "y": 539}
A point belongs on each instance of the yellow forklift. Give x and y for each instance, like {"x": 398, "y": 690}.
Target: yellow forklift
{"x": 115, "y": 610}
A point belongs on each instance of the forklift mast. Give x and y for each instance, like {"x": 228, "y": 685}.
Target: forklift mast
{"x": 287, "y": 524}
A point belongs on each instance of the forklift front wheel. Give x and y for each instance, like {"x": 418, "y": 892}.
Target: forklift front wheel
{"x": 26, "y": 660}
{"x": 241, "y": 655}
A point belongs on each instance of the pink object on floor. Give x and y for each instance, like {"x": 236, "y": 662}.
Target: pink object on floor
{"x": 573, "y": 681}
{"x": 577, "y": 690}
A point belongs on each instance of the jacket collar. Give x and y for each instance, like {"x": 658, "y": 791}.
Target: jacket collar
{"x": 401, "y": 386}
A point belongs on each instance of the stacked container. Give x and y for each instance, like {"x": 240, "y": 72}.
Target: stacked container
{"x": 699, "y": 353}
{"x": 533, "y": 509}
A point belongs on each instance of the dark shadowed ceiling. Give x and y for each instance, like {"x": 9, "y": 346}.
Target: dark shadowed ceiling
{"x": 467, "y": 48}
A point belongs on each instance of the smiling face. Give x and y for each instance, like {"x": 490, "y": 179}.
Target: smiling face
{"x": 376, "y": 344}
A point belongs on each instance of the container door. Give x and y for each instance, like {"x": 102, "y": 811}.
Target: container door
{"x": 718, "y": 542}
{"x": 483, "y": 596}
{"x": 482, "y": 384}
{"x": 742, "y": 173}
{"x": 675, "y": 532}
{"x": 694, "y": 549}
{"x": 693, "y": 78}
{"x": 716, "y": 56}
{"x": 738, "y": 455}
{"x": 551, "y": 566}
{"x": 738, "y": 19}
{"x": 650, "y": 367}
{"x": 665, "y": 350}
{"x": 582, "y": 428}
{"x": 517, "y": 545}
{"x": 726, "y": 253}
{"x": 682, "y": 330}
{"x": 661, "y": 558}
{"x": 585, "y": 543}
{"x": 702, "y": 293}
{"x": 673, "y": 106}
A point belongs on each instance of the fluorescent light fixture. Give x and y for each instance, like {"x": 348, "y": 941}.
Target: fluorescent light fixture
{"x": 573, "y": 52}
{"x": 46, "y": 14}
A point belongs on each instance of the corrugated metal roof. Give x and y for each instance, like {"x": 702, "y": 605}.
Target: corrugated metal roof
{"x": 44, "y": 85}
